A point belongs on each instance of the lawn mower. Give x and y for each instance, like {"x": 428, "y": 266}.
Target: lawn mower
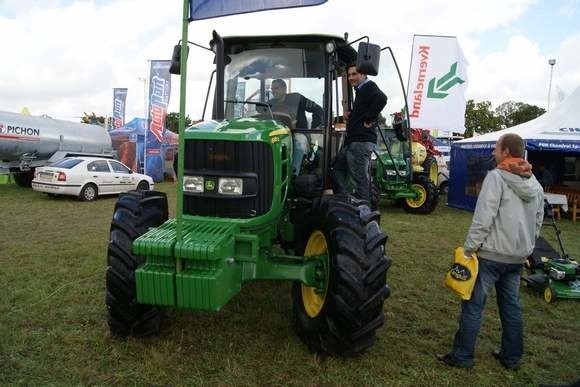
{"x": 549, "y": 271}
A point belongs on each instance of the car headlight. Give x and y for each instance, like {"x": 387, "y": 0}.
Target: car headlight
{"x": 230, "y": 186}
{"x": 193, "y": 183}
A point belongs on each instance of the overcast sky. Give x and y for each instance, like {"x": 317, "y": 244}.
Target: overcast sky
{"x": 64, "y": 57}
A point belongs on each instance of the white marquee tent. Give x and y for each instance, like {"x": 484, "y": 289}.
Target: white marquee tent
{"x": 553, "y": 135}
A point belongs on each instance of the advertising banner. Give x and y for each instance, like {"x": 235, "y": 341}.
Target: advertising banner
{"x": 437, "y": 83}
{"x": 204, "y": 9}
{"x": 119, "y": 98}
{"x": 159, "y": 93}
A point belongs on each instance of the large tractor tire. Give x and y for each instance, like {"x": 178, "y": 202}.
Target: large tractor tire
{"x": 342, "y": 319}
{"x": 24, "y": 179}
{"x": 427, "y": 199}
{"x": 431, "y": 169}
{"x": 135, "y": 212}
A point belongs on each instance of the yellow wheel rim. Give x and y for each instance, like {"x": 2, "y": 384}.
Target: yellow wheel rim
{"x": 433, "y": 173}
{"x": 421, "y": 197}
{"x": 548, "y": 295}
{"x": 312, "y": 301}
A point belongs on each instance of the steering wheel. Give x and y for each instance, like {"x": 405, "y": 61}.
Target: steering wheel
{"x": 283, "y": 118}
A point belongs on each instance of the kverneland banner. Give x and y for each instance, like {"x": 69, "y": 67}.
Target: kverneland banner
{"x": 159, "y": 93}
{"x": 119, "y": 99}
{"x": 437, "y": 83}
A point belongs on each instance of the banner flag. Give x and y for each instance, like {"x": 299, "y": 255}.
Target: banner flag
{"x": 437, "y": 83}
{"x": 207, "y": 9}
{"x": 119, "y": 98}
{"x": 159, "y": 93}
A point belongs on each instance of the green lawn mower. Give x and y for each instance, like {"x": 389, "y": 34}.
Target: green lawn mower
{"x": 555, "y": 274}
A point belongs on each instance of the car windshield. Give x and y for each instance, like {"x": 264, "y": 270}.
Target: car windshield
{"x": 276, "y": 82}
{"x": 67, "y": 163}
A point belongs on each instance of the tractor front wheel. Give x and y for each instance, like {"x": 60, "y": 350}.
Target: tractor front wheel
{"x": 341, "y": 319}
{"x": 135, "y": 212}
{"x": 426, "y": 199}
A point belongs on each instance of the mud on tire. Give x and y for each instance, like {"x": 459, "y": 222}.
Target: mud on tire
{"x": 135, "y": 212}
{"x": 352, "y": 308}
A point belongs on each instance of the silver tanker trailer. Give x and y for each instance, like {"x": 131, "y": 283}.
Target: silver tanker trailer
{"x": 27, "y": 142}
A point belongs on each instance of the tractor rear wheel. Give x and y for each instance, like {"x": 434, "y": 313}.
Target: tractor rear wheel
{"x": 431, "y": 169}
{"x": 24, "y": 179}
{"x": 427, "y": 197}
{"x": 135, "y": 212}
{"x": 342, "y": 319}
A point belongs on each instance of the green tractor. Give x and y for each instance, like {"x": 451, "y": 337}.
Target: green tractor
{"x": 404, "y": 168}
{"x": 243, "y": 215}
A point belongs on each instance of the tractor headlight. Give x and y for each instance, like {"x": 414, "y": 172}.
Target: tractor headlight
{"x": 230, "y": 186}
{"x": 193, "y": 183}
{"x": 392, "y": 172}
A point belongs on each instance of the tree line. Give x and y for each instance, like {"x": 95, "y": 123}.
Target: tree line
{"x": 481, "y": 118}
{"x": 171, "y": 121}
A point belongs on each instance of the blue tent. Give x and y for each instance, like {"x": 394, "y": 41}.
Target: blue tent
{"x": 550, "y": 139}
{"x": 129, "y": 141}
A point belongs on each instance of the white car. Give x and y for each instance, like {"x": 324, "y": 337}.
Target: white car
{"x": 88, "y": 177}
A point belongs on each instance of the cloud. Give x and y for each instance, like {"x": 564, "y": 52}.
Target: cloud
{"x": 64, "y": 57}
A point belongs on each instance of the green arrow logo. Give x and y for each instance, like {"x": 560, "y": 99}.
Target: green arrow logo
{"x": 444, "y": 83}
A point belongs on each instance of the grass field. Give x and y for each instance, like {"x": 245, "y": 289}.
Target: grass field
{"x": 53, "y": 329}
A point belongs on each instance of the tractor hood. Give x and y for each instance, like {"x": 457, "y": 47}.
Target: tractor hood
{"x": 241, "y": 129}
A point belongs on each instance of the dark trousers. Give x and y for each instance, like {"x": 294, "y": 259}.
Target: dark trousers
{"x": 353, "y": 162}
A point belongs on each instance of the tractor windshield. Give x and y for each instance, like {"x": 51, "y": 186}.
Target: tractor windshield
{"x": 286, "y": 83}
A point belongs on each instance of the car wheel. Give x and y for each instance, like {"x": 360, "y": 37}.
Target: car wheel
{"x": 89, "y": 192}
{"x": 143, "y": 186}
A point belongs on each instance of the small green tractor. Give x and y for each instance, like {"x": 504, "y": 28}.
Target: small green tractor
{"x": 242, "y": 215}
{"x": 404, "y": 168}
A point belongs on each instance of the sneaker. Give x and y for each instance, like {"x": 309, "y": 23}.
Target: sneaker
{"x": 510, "y": 365}
{"x": 450, "y": 360}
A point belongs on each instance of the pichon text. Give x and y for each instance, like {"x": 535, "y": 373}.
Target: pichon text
{"x": 20, "y": 130}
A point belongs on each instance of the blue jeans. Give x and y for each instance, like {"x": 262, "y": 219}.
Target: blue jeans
{"x": 300, "y": 144}
{"x": 353, "y": 161}
{"x": 506, "y": 278}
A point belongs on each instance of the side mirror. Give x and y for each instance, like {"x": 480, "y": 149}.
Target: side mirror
{"x": 367, "y": 58}
{"x": 175, "y": 67}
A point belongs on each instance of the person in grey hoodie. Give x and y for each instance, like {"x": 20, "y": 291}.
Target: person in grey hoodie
{"x": 506, "y": 222}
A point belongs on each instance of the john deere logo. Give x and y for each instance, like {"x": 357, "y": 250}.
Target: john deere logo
{"x": 209, "y": 185}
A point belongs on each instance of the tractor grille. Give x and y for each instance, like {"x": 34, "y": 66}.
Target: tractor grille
{"x": 217, "y": 158}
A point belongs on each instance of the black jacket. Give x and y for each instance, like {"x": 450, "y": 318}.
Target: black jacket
{"x": 368, "y": 104}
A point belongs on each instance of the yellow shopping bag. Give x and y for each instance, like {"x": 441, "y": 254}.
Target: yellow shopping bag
{"x": 461, "y": 276}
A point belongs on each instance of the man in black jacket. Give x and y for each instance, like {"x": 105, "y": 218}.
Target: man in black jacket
{"x": 354, "y": 158}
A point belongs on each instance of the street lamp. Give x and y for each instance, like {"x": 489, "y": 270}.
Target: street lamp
{"x": 551, "y": 62}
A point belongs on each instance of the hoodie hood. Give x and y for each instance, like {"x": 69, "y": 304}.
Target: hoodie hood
{"x": 527, "y": 188}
